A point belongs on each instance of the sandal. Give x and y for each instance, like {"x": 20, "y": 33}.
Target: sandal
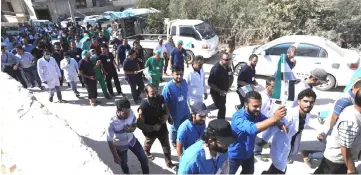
{"x": 150, "y": 157}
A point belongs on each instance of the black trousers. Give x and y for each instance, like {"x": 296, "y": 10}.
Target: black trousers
{"x": 241, "y": 99}
{"x": 91, "y": 87}
{"x": 273, "y": 170}
{"x": 62, "y": 77}
{"x": 164, "y": 141}
{"x": 109, "y": 78}
{"x": 220, "y": 102}
{"x": 16, "y": 74}
{"x": 166, "y": 60}
{"x": 328, "y": 167}
{"x": 136, "y": 87}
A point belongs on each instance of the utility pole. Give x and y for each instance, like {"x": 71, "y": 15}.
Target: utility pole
{"x": 71, "y": 13}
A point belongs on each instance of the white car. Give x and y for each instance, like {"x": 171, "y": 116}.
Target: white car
{"x": 312, "y": 52}
{"x": 64, "y": 23}
{"x": 90, "y": 19}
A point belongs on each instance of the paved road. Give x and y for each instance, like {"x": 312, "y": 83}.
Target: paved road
{"x": 90, "y": 123}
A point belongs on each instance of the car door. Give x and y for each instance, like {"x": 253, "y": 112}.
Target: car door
{"x": 189, "y": 36}
{"x": 267, "y": 62}
{"x": 309, "y": 57}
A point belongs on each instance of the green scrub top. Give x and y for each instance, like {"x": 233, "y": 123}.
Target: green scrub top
{"x": 155, "y": 66}
{"x": 98, "y": 70}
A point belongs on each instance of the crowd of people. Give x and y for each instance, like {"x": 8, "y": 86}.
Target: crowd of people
{"x": 82, "y": 54}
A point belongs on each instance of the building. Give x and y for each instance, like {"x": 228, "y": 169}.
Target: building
{"x": 17, "y": 11}
{"x": 58, "y": 9}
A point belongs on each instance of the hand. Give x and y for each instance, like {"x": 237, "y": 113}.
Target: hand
{"x": 280, "y": 113}
{"x": 15, "y": 67}
{"x": 98, "y": 63}
{"x": 92, "y": 77}
{"x": 320, "y": 137}
{"x": 156, "y": 127}
{"x": 205, "y": 96}
{"x": 116, "y": 159}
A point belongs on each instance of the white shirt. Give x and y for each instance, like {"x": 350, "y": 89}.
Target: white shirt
{"x": 70, "y": 69}
{"x": 267, "y": 103}
{"x": 281, "y": 143}
{"x": 196, "y": 85}
{"x": 161, "y": 48}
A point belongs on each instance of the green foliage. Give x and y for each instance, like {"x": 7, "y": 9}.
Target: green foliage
{"x": 263, "y": 20}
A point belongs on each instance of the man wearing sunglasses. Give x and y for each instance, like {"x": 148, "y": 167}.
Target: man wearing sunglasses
{"x": 190, "y": 131}
{"x": 220, "y": 80}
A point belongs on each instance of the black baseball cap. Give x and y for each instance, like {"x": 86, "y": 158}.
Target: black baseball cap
{"x": 221, "y": 130}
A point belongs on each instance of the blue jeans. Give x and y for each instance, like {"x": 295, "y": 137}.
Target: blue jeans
{"x": 58, "y": 92}
{"x": 247, "y": 165}
{"x": 174, "y": 130}
{"x": 138, "y": 151}
{"x": 32, "y": 74}
{"x": 73, "y": 87}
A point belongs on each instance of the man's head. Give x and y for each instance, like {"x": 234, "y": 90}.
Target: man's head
{"x": 291, "y": 52}
{"x": 123, "y": 108}
{"x": 318, "y": 76}
{"x": 125, "y": 42}
{"x": 270, "y": 84}
{"x": 253, "y": 59}
{"x": 72, "y": 45}
{"x": 199, "y": 113}
{"x": 180, "y": 44}
{"x": 198, "y": 63}
{"x": 100, "y": 34}
{"x": 46, "y": 54}
{"x": 57, "y": 47}
{"x": 104, "y": 49}
{"x": 225, "y": 60}
{"x": 24, "y": 41}
{"x": 3, "y": 48}
{"x": 356, "y": 85}
{"x": 306, "y": 100}
{"x": 77, "y": 37}
{"x": 170, "y": 38}
{"x": 358, "y": 98}
{"x": 177, "y": 74}
{"x": 218, "y": 135}
{"x": 132, "y": 53}
{"x": 157, "y": 54}
{"x": 94, "y": 41}
{"x": 253, "y": 103}
{"x": 160, "y": 40}
{"x": 85, "y": 54}
{"x": 153, "y": 97}
{"x": 19, "y": 50}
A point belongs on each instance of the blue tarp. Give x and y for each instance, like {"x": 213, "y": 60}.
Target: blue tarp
{"x": 131, "y": 13}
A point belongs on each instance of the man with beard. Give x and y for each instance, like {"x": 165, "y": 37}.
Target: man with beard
{"x": 175, "y": 95}
{"x": 110, "y": 71}
{"x": 294, "y": 122}
{"x": 197, "y": 88}
{"x": 207, "y": 156}
{"x": 58, "y": 55}
{"x": 246, "y": 124}
{"x": 220, "y": 80}
{"x": 75, "y": 52}
{"x": 133, "y": 75}
{"x": 86, "y": 70}
{"x": 152, "y": 120}
{"x": 247, "y": 76}
{"x": 49, "y": 74}
{"x": 191, "y": 130}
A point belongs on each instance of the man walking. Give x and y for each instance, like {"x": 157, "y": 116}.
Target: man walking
{"x": 70, "y": 67}
{"x": 110, "y": 71}
{"x": 49, "y": 73}
{"x": 175, "y": 95}
{"x": 152, "y": 120}
{"x": 99, "y": 72}
{"x": 169, "y": 46}
{"x": 176, "y": 58}
{"x": 10, "y": 65}
{"x": 121, "y": 52}
{"x": 86, "y": 70}
{"x": 220, "y": 80}
{"x": 75, "y": 52}
{"x": 27, "y": 63}
{"x": 197, "y": 88}
{"x": 155, "y": 65}
{"x": 120, "y": 137}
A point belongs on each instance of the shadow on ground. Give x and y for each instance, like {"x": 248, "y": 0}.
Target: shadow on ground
{"x": 102, "y": 149}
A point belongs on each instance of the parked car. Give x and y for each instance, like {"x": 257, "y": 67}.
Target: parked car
{"x": 64, "y": 23}
{"x": 312, "y": 52}
{"x": 90, "y": 19}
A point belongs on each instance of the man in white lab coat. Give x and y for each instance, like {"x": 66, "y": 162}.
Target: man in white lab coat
{"x": 163, "y": 51}
{"x": 49, "y": 74}
{"x": 197, "y": 88}
{"x": 295, "y": 121}
{"x": 266, "y": 109}
{"x": 70, "y": 68}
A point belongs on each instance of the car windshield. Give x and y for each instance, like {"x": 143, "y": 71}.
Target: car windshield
{"x": 335, "y": 47}
{"x": 205, "y": 30}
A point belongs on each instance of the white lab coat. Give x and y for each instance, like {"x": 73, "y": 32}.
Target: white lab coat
{"x": 281, "y": 143}
{"x": 49, "y": 71}
{"x": 70, "y": 70}
{"x": 266, "y": 109}
{"x": 196, "y": 86}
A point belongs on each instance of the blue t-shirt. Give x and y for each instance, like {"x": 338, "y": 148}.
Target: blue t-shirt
{"x": 342, "y": 103}
{"x": 122, "y": 49}
{"x": 188, "y": 133}
{"x": 245, "y": 130}
{"x": 131, "y": 65}
{"x": 176, "y": 99}
{"x": 178, "y": 57}
{"x": 196, "y": 160}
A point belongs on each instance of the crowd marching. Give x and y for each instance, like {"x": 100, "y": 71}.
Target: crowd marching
{"x": 82, "y": 54}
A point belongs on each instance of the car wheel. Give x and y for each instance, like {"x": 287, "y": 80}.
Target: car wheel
{"x": 331, "y": 82}
{"x": 238, "y": 67}
{"x": 190, "y": 57}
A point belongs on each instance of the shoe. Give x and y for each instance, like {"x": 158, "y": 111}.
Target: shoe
{"x": 290, "y": 161}
{"x": 41, "y": 87}
{"x": 51, "y": 99}
{"x": 149, "y": 156}
{"x": 112, "y": 94}
{"x": 32, "y": 86}
{"x": 261, "y": 158}
{"x": 121, "y": 93}
{"x": 77, "y": 94}
{"x": 308, "y": 162}
{"x": 83, "y": 85}
{"x": 108, "y": 97}
{"x": 62, "y": 101}
{"x": 172, "y": 166}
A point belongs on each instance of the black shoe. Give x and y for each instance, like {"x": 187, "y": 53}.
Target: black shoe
{"x": 51, "y": 99}
{"x": 112, "y": 94}
{"x": 108, "y": 97}
{"x": 32, "y": 86}
{"x": 41, "y": 87}
{"x": 62, "y": 101}
{"x": 83, "y": 85}
{"x": 77, "y": 94}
